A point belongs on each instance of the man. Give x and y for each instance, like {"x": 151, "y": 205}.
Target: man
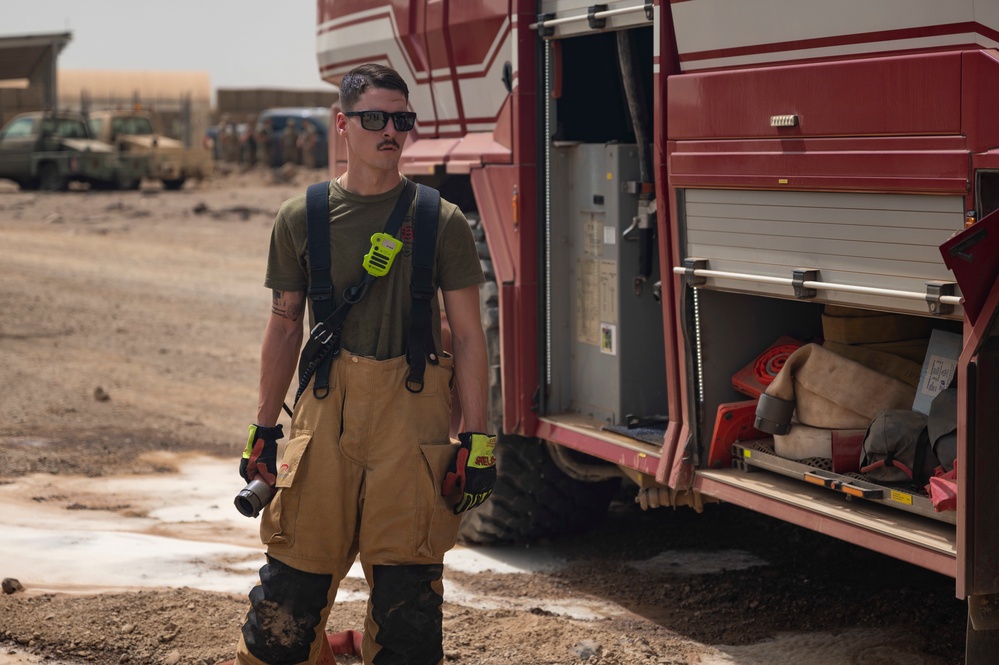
{"x": 307, "y": 141}
{"x": 289, "y": 143}
{"x": 248, "y": 143}
{"x": 368, "y": 467}
{"x": 230, "y": 140}
{"x": 265, "y": 144}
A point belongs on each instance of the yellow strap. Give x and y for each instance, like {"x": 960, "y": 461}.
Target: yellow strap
{"x": 250, "y": 441}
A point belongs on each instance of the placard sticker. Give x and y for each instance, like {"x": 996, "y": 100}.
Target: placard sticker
{"x": 588, "y": 302}
{"x": 607, "y": 283}
{"x": 610, "y": 235}
{"x": 608, "y": 338}
{"x": 901, "y": 497}
{"x": 593, "y": 230}
{"x": 939, "y": 372}
{"x": 939, "y": 367}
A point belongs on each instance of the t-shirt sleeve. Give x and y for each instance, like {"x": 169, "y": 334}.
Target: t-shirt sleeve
{"x": 286, "y": 264}
{"x": 457, "y": 257}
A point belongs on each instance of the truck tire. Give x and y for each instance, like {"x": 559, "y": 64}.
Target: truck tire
{"x": 173, "y": 185}
{"x": 489, "y": 315}
{"x": 50, "y": 179}
{"x": 127, "y": 183}
{"x": 533, "y": 497}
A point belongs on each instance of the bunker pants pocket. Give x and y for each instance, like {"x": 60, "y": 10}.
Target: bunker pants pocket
{"x": 441, "y": 527}
{"x": 277, "y": 522}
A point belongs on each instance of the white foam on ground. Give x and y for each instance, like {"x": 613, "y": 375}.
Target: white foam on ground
{"x": 160, "y": 530}
{"x": 174, "y": 530}
{"x": 121, "y": 559}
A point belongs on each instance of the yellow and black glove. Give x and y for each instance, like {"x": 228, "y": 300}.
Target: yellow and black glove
{"x": 260, "y": 455}
{"x": 472, "y": 472}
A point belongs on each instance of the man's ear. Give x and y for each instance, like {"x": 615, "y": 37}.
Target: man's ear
{"x": 341, "y": 124}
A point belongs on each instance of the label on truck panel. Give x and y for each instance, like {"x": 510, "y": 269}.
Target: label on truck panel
{"x": 596, "y": 304}
{"x": 608, "y": 338}
{"x": 608, "y": 291}
{"x": 901, "y": 497}
{"x": 593, "y": 236}
{"x": 588, "y": 302}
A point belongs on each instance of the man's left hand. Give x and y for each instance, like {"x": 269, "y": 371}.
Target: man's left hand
{"x": 473, "y": 471}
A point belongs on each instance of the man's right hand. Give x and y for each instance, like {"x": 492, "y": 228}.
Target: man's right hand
{"x": 260, "y": 455}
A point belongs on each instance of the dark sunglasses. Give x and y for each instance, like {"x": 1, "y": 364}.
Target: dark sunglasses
{"x": 375, "y": 121}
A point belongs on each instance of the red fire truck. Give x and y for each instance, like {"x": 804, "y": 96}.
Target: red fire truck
{"x": 670, "y": 197}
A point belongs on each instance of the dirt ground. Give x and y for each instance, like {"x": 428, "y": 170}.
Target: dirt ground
{"x": 130, "y": 326}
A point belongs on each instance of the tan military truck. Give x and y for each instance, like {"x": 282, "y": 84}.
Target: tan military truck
{"x": 131, "y": 131}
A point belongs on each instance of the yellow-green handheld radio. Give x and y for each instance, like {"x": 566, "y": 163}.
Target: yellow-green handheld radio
{"x": 379, "y": 258}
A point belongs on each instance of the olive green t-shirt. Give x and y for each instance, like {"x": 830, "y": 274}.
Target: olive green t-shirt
{"x": 378, "y": 326}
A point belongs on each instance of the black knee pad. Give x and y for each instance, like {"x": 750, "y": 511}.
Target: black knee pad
{"x": 408, "y": 612}
{"x": 285, "y": 610}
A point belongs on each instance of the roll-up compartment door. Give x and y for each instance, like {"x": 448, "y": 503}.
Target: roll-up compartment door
{"x": 866, "y": 243}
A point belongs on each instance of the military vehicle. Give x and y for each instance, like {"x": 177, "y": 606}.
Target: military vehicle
{"x": 48, "y": 150}
{"x": 131, "y": 132}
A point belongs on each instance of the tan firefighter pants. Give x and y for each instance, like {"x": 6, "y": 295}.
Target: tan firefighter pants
{"x": 360, "y": 473}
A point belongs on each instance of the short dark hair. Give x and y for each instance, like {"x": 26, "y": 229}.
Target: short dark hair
{"x": 360, "y": 78}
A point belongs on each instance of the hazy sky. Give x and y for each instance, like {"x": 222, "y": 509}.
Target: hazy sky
{"x": 240, "y": 43}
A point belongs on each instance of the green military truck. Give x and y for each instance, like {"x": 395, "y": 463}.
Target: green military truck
{"x": 130, "y": 132}
{"x": 48, "y": 150}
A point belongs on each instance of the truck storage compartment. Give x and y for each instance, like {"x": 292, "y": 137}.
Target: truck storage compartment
{"x": 802, "y": 199}
{"x": 858, "y": 273}
{"x": 607, "y": 350}
{"x": 918, "y": 354}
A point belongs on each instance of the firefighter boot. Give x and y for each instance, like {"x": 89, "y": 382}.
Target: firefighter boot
{"x": 347, "y": 642}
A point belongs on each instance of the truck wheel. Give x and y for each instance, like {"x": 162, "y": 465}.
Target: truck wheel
{"x": 50, "y": 179}
{"x": 127, "y": 183}
{"x": 533, "y": 498}
{"x": 489, "y": 314}
{"x": 173, "y": 185}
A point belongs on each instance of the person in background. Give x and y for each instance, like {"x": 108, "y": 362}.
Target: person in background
{"x": 307, "y": 142}
{"x": 265, "y": 143}
{"x": 248, "y": 143}
{"x": 230, "y": 141}
{"x": 289, "y": 143}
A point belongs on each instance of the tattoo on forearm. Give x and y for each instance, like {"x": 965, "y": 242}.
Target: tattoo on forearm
{"x": 287, "y": 305}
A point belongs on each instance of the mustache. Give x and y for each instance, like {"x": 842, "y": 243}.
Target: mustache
{"x": 387, "y": 142}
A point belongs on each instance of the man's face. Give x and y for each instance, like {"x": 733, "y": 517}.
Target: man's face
{"x": 377, "y": 150}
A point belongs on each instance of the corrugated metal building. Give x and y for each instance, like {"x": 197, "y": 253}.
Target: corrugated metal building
{"x": 179, "y": 100}
{"x": 28, "y": 71}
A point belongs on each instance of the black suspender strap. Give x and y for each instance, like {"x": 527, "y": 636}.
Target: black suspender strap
{"x": 324, "y": 341}
{"x": 317, "y": 219}
{"x": 316, "y": 361}
{"x": 421, "y": 337}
